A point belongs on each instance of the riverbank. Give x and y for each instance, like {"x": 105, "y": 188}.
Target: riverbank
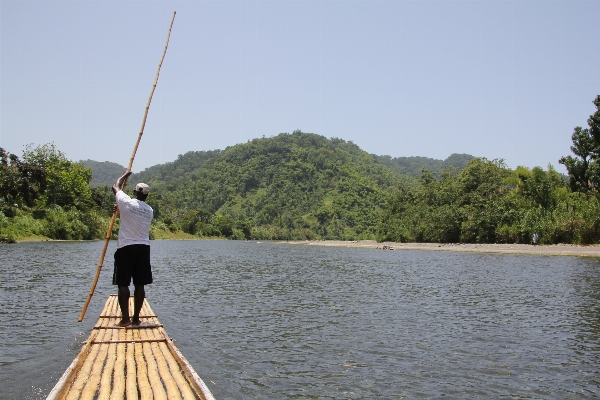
{"x": 550, "y": 250}
{"x": 158, "y": 235}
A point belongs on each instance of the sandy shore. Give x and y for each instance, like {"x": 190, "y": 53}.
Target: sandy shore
{"x": 550, "y": 250}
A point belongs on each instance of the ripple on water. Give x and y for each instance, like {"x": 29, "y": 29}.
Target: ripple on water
{"x": 281, "y": 321}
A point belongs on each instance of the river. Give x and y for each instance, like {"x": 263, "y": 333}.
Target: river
{"x": 276, "y": 321}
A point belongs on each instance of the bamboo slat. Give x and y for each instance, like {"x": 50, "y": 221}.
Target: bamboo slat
{"x": 105, "y": 383}
{"x": 82, "y": 376}
{"x": 93, "y": 380}
{"x": 139, "y": 363}
{"x": 179, "y": 378}
{"x": 163, "y": 369}
{"x": 118, "y": 388}
{"x": 143, "y": 382}
{"x": 153, "y": 375}
{"x": 131, "y": 377}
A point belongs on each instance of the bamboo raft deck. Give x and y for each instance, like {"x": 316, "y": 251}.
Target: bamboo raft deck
{"x": 129, "y": 363}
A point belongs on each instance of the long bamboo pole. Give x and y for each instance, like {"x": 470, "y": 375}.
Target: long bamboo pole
{"x": 137, "y": 143}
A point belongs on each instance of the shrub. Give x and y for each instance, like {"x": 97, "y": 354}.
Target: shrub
{"x": 67, "y": 225}
{"x": 22, "y": 224}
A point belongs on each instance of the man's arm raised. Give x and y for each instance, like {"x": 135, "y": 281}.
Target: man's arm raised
{"x": 118, "y": 185}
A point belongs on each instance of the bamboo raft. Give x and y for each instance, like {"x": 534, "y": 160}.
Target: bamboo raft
{"x": 129, "y": 363}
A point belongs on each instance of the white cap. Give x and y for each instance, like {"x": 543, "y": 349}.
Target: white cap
{"x": 142, "y": 187}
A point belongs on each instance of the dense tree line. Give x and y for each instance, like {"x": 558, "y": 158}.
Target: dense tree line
{"x": 490, "y": 203}
{"x": 413, "y": 166}
{"x": 296, "y": 186}
{"x": 305, "y": 186}
{"x": 584, "y": 167}
{"x": 45, "y": 194}
{"x": 103, "y": 172}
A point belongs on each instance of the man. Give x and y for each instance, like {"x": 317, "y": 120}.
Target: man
{"x": 132, "y": 258}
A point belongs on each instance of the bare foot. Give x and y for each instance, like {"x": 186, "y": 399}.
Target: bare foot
{"x": 123, "y": 323}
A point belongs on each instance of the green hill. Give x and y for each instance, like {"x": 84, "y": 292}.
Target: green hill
{"x": 297, "y": 185}
{"x": 414, "y": 165}
{"x": 185, "y": 164}
{"x": 103, "y": 173}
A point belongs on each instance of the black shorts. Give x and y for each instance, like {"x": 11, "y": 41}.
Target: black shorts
{"x": 132, "y": 261}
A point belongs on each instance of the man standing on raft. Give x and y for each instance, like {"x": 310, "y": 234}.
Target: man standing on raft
{"x": 132, "y": 258}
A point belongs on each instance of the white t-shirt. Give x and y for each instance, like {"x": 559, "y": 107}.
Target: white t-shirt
{"x": 136, "y": 216}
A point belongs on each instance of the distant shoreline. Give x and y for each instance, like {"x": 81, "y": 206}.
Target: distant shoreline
{"x": 549, "y": 250}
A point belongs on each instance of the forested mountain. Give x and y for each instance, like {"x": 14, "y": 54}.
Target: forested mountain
{"x": 185, "y": 164}
{"x": 304, "y": 186}
{"x": 103, "y": 173}
{"x": 413, "y": 166}
{"x": 297, "y": 185}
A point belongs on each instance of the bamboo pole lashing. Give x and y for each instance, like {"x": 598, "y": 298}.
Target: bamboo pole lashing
{"x": 103, "y": 326}
{"x": 129, "y": 341}
{"x": 137, "y": 143}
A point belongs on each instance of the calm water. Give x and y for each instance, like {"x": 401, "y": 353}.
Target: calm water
{"x": 273, "y": 321}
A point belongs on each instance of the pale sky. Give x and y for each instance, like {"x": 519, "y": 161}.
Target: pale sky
{"x": 496, "y": 79}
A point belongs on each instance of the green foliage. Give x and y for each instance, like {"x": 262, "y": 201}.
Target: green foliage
{"x": 103, "y": 173}
{"x": 298, "y": 184}
{"x": 67, "y": 183}
{"x": 21, "y": 183}
{"x": 104, "y": 199}
{"x": 185, "y": 164}
{"x": 72, "y": 224}
{"x": 45, "y": 194}
{"x": 21, "y": 224}
{"x": 584, "y": 168}
{"x": 413, "y": 166}
{"x": 304, "y": 186}
{"x": 488, "y": 203}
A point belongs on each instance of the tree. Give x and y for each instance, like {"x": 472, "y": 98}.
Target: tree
{"x": 20, "y": 182}
{"x": 483, "y": 185}
{"x": 68, "y": 183}
{"x": 584, "y": 168}
{"x": 538, "y": 185}
{"x": 9, "y": 177}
